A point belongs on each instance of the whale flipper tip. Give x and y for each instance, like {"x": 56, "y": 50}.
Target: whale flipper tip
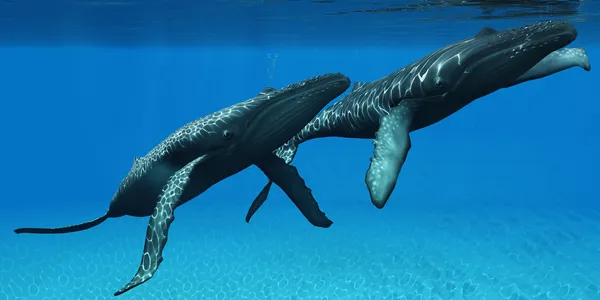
{"x": 157, "y": 232}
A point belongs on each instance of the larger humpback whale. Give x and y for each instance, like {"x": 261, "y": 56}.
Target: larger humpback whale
{"x": 431, "y": 89}
{"x": 210, "y": 149}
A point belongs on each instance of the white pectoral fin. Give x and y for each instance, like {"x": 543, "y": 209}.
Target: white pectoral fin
{"x": 158, "y": 227}
{"x": 392, "y": 143}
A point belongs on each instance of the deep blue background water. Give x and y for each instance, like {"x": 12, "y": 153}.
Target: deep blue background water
{"x": 498, "y": 201}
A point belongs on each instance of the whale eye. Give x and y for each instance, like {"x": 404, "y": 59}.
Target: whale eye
{"x": 439, "y": 82}
{"x": 227, "y": 134}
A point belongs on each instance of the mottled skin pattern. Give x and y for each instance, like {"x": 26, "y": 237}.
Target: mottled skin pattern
{"x": 158, "y": 227}
{"x": 210, "y": 149}
{"x": 427, "y": 91}
{"x": 392, "y": 143}
{"x": 183, "y": 144}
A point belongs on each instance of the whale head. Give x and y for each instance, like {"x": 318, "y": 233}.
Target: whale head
{"x": 472, "y": 68}
{"x": 493, "y": 59}
{"x": 286, "y": 112}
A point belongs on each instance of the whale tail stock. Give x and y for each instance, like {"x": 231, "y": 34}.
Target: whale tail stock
{"x": 66, "y": 229}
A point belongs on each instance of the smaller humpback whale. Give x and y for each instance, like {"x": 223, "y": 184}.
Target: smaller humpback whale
{"x": 210, "y": 149}
{"x": 431, "y": 89}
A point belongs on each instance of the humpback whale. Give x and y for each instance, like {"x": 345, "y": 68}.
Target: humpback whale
{"x": 210, "y": 149}
{"x": 431, "y": 89}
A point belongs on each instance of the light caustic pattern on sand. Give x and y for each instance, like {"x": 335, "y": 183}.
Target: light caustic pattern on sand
{"x": 515, "y": 255}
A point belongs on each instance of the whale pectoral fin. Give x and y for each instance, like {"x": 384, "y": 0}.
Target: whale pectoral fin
{"x": 158, "y": 227}
{"x": 287, "y": 178}
{"x": 285, "y": 152}
{"x": 258, "y": 201}
{"x": 392, "y": 143}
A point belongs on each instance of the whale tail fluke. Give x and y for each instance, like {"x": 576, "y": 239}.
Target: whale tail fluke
{"x": 67, "y": 229}
{"x": 287, "y": 152}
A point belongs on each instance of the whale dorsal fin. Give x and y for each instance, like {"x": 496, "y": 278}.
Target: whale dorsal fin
{"x": 486, "y": 31}
{"x": 266, "y": 90}
{"x": 357, "y": 85}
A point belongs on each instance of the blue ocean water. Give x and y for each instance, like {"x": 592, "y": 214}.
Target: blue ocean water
{"x": 498, "y": 201}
